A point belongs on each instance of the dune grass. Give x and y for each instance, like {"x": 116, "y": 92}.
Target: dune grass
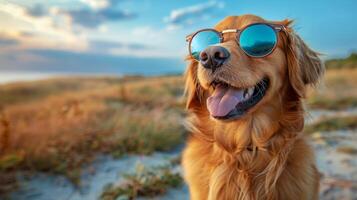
{"x": 343, "y": 63}
{"x": 36, "y": 90}
{"x": 338, "y": 103}
{"x": 347, "y": 150}
{"x": 333, "y": 124}
{"x": 144, "y": 182}
{"x": 58, "y": 132}
{"x": 338, "y": 91}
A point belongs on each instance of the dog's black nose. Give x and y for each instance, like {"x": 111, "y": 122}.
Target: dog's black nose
{"x": 213, "y": 57}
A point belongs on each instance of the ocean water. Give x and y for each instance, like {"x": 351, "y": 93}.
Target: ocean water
{"x": 59, "y": 63}
{"x": 8, "y": 77}
{"x": 21, "y": 76}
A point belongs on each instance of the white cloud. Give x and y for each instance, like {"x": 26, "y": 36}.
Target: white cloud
{"x": 103, "y": 29}
{"x": 51, "y": 30}
{"x": 188, "y": 15}
{"x": 97, "y": 4}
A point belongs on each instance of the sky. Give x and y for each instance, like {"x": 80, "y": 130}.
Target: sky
{"x": 136, "y": 36}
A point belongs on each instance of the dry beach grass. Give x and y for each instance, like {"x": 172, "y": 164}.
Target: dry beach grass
{"x": 59, "y": 131}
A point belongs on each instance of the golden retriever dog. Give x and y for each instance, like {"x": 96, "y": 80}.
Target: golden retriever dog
{"x": 246, "y": 116}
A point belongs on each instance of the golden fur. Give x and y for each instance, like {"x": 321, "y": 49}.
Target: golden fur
{"x": 262, "y": 155}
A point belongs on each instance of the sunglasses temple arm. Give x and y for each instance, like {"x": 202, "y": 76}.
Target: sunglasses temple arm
{"x": 280, "y": 27}
{"x": 189, "y": 37}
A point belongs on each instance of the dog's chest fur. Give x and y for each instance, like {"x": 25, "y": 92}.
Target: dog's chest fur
{"x": 216, "y": 174}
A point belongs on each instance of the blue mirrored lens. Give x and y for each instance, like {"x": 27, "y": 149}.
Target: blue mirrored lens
{"x": 202, "y": 40}
{"x": 258, "y": 40}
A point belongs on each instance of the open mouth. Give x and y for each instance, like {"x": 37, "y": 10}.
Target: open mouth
{"x": 228, "y": 102}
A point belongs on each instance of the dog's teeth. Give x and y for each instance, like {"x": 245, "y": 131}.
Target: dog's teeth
{"x": 245, "y": 94}
{"x": 250, "y": 91}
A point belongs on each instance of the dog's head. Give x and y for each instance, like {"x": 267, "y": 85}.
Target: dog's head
{"x": 242, "y": 87}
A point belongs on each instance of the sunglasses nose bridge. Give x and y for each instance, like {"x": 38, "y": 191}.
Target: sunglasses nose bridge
{"x": 229, "y": 36}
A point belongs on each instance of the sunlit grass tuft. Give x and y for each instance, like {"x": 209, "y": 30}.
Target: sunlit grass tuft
{"x": 144, "y": 131}
{"x": 9, "y": 161}
{"x": 349, "y": 62}
{"x": 347, "y": 150}
{"x": 144, "y": 182}
{"x": 332, "y": 124}
{"x": 320, "y": 102}
{"x": 337, "y": 92}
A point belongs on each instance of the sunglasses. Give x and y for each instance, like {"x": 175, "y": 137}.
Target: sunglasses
{"x": 256, "y": 40}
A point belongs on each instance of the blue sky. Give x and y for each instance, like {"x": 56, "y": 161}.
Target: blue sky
{"x": 101, "y": 35}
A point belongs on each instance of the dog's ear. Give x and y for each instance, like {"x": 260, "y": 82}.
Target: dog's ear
{"x": 304, "y": 65}
{"x": 193, "y": 90}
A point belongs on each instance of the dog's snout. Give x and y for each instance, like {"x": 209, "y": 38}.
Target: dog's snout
{"x": 213, "y": 57}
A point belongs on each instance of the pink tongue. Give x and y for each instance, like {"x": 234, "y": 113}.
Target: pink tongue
{"x": 223, "y": 100}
